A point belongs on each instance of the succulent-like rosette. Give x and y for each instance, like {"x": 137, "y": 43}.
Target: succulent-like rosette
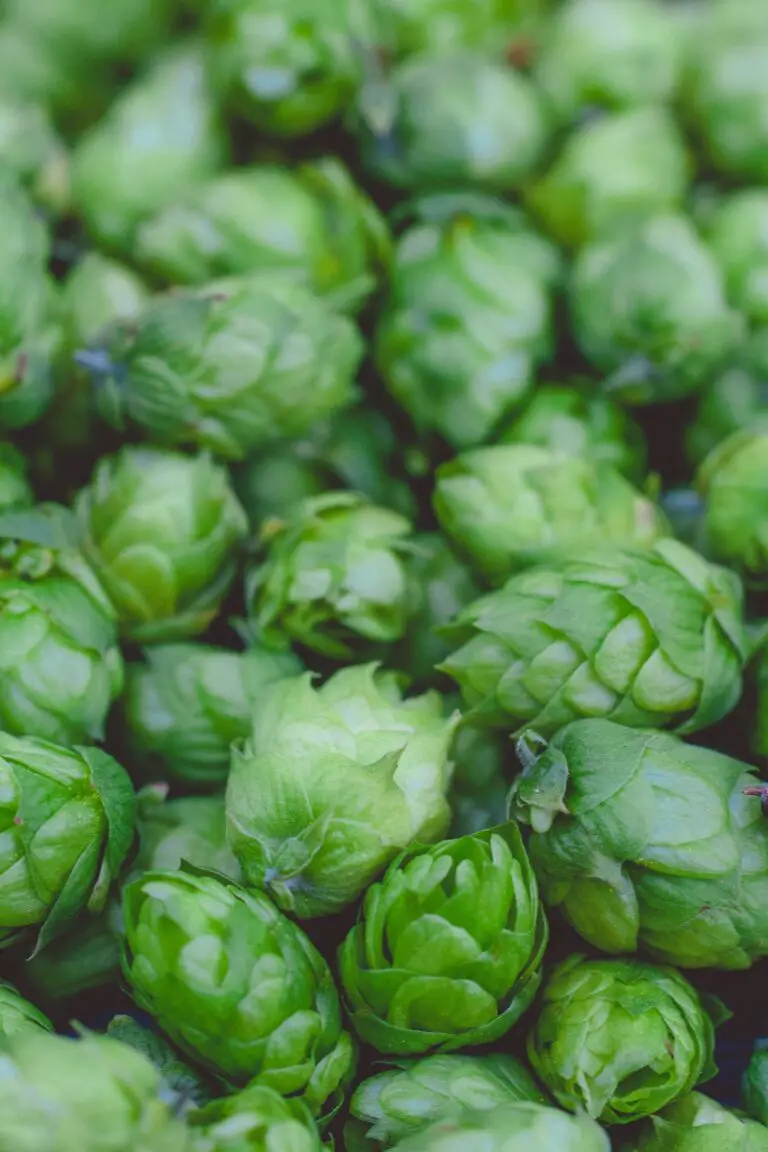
{"x": 60, "y": 664}
{"x": 357, "y": 448}
{"x": 311, "y": 225}
{"x": 611, "y": 55}
{"x": 256, "y": 1119}
{"x": 19, "y": 1015}
{"x": 161, "y": 531}
{"x": 290, "y": 71}
{"x": 647, "y": 843}
{"x": 411, "y": 1094}
{"x": 67, "y": 822}
{"x": 650, "y": 639}
{"x": 446, "y": 120}
{"x": 737, "y": 398}
{"x": 698, "y": 1124}
{"x": 230, "y": 370}
{"x": 576, "y": 419}
{"x": 29, "y": 335}
{"x": 186, "y": 829}
{"x": 620, "y": 1039}
{"x": 160, "y": 137}
{"x": 754, "y": 1085}
{"x": 524, "y": 1126}
{"x": 468, "y": 316}
{"x": 334, "y": 782}
{"x": 734, "y": 482}
{"x": 447, "y": 951}
{"x": 509, "y": 506}
{"x": 726, "y": 85}
{"x": 185, "y": 704}
{"x": 737, "y": 233}
{"x": 93, "y": 1093}
{"x": 236, "y": 984}
{"x": 648, "y": 308}
{"x": 333, "y": 577}
{"x": 613, "y": 169}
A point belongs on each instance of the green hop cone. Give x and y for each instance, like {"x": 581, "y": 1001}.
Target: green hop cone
{"x": 236, "y": 984}
{"x": 161, "y": 531}
{"x": 608, "y": 53}
{"x": 754, "y": 1085}
{"x": 726, "y": 89}
{"x": 333, "y": 577}
{"x": 186, "y": 703}
{"x": 60, "y": 664}
{"x": 257, "y": 1119}
{"x": 734, "y": 482}
{"x": 697, "y": 1124}
{"x": 525, "y": 1126}
{"x": 333, "y": 783}
{"x": 92, "y": 1094}
{"x": 645, "y": 842}
{"x": 415, "y": 1093}
{"x": 509, "y": 506}
{"x": 738, "y": 236}
{"x": 32, "y": 151}
{"x": 230, "y": 370}
{"x": 441, "y": 121}
{"x": 291, "y": 71}
{"x": 620, "y": 1038}
{"x": 29, "y": 337}
{"x": 187, "y": 829}
{"x": 649, "y": 639}
{"x": 576, "y": 419}
{"x": 67, "y": 822}
{"x": 19, "y": 1015}
{"x": 440, "y": 585}
{"x": 311, "y": 225}
{"x": 447, "y": 951}
{"x": 648, "y": 308}
{"x": 159, "y": 138}
{"x": 15, "y": 489}
{"x": 614, "y": 169}
{"x": 737, "y": 398}
{"x": 468, "y": 317}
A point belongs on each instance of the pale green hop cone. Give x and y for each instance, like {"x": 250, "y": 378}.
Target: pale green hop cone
{"x": 620, "y": 1039}
{"x": 162, "y": 531}
{"x": 649, "y": 639}
{"x": 256, "y": 1119}
{"x": 698, "y": 1124}
{"x": 447, "y": 950}
{"x": 408, "y": 1096}
{"x": 509, "y": 506}
{"x": 333, "y": 783}
{"x": 648, "y": 844}
{"x": 733, "y": 480}
{"x": 522, "y": 1127}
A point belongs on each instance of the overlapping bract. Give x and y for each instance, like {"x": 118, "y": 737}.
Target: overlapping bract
{"x": 448, "y": 948}
{"x": 333, "y": 783}
{"x": 648, "y": 843}
{"x": 649, "y": 639}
